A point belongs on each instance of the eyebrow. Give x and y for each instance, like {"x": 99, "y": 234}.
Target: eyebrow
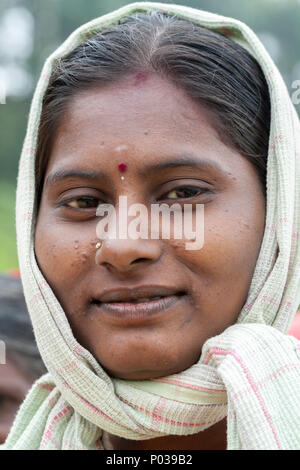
{"x": 62, "y": 174}
{"x": 94, "y": 175}
{"x": 201, "y": 164}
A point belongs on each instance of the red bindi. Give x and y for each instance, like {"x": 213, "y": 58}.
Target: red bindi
{"x": 122, "y": 167}
{"x": 140, "y": 78}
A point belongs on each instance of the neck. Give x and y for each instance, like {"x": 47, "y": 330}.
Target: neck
{"x": 213, "y": 438}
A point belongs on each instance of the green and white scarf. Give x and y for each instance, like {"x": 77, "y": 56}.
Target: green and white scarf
{"x": 249, "y": 373}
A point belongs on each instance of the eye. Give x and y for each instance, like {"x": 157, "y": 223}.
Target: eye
{"x": 83, "y": 202}
{"x": 184, "y": 192}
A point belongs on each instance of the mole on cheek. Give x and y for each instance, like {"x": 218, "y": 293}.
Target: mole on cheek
{"x": 82, "y": 253}
{"x": 94, "y": 242}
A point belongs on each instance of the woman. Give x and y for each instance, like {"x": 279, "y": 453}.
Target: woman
{"x": 150, "y": 345}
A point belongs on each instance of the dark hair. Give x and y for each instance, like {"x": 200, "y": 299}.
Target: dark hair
{"x": 214, "y": 70}
{"x": 16, "y": 329}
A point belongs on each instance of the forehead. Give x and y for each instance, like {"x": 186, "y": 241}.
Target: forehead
{"x": 142, "y": 118}
{"x": 139, "y": 104}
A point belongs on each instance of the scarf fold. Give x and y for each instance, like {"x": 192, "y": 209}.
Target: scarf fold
{"x": 249, "y": 373}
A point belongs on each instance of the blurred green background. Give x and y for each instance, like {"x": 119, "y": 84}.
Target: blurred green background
{"x": 31, "y": 29}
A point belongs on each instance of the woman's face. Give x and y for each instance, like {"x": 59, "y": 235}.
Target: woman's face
{"x": 163, "y": 137}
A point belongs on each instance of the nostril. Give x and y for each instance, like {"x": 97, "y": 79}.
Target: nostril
{"x": 127, "y": 255}
{"x": 106, "y": 265}
{"x": 140, "y": 259}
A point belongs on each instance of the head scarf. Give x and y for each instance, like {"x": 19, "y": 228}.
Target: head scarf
{"x": 249, "y": 373}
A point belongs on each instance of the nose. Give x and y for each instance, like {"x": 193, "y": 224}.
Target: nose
{"x": 127, "y": 255}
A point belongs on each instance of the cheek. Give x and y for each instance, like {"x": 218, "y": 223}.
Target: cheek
{"x": 64, "y": 253}
{"x": 232, "y": 241}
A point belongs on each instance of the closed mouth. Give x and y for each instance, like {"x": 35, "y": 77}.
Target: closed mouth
{"x": 136, "y": 301}
{"x": 139, "y": 309}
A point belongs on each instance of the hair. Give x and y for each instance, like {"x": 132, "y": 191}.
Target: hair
{"x": 215, "y": 71}
{"x": 16, "y": 329}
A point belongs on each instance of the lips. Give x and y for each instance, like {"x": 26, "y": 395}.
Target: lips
{"x": 137, "y": 294}
{"x": 138, "y": 304}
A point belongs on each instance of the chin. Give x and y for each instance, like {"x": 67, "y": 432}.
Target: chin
{"x": 141, "y": 358}
{"x": 145, "y": 374}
